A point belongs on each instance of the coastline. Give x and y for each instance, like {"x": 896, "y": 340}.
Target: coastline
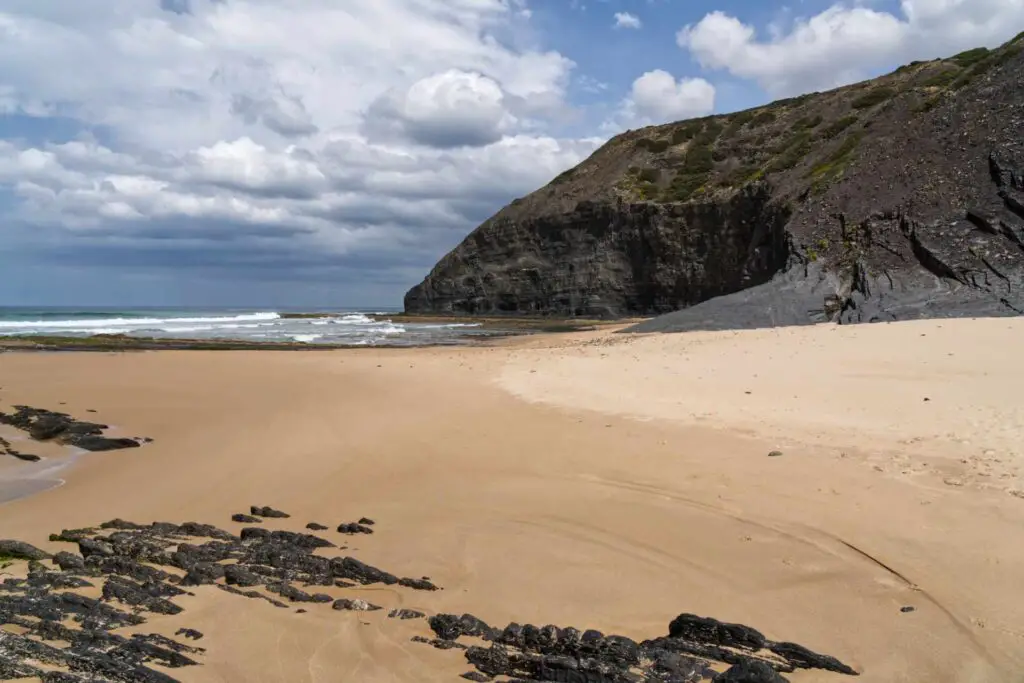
{"x": 494, "y": 328}
{"x": 587, "y": 479}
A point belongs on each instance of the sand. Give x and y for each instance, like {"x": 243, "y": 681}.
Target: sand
{"x": 590, "y": 479}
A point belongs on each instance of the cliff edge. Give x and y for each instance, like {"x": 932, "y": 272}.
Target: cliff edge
{"x": 900, "y": 197}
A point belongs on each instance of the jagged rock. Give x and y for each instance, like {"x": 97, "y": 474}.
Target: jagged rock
{"x": 292, "y": 593}
{"x": 102, "y": 443}
{"x": 451, "y": 627}
{"x": 476, "y": 676}
{"x": 22, "y": 551}
{"x": 27, "y": 457}
{"x": 849, "y": 205}
{"x": 46, "y": 425}
{"x": 245, "y": 519}
{"x": 189, "y": 633}
{"x": 314, "y": 526}
{"x": 238, "y": 575}
{"x": 354, "y": 528}
{"x": 69, "y": 561}
{"x": 92, "y": 546}
{"x": 351, "y": 568}
{"x": 418, "y": 584}
{"x": 136, "y": 595}
{"x": 367, "y": 521}
{"x": 354, "y": 605}
{"x": 202, "y": 573}
{"x": 268, "y": 512}
{"x": 749, "y": 672}
{"x": 405, "y": 614}
{"x": 714, "y": 632}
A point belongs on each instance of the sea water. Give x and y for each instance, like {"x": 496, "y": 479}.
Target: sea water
{"x": 350, "y": 327}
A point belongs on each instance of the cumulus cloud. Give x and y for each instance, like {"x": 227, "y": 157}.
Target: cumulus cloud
{"x": 845, "y": 43}
{"x": 627, "y": 20}
{"x": 211, "y": 133}
{"x": 450, "y": 109}
{"x": 657, "y": 97}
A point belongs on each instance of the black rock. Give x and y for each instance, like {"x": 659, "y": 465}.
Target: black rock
{"x": 27, "y": 457}
{"x": 268, "y": 512}
{"x": 101, "y": 443}
{"x": 802, "y": 658}
{"x": 749, "y": 672}
{"x": 354, "y": 605}
{"x": 245, "y": 519}
{"x": 451, "y": 627}
{"x": 22, "y": 551}
{"x": 202, "y": 573}
{"x": 367, "y": 521}
{"x": 354, "y": 528}
{"x": 189, "y": 633}
{"x": 351, "y": 568}
{"x": 69, "y": 561}
{"x": 907, "y": 609}
{"x": 238, "y": 575}
{"x": 405, "y": 614}
{"x": 314, "y": 526}
{"x": 92, "y": 546}
{"x": 476, "y": 676}
{"x": 714, "y": 632}
{"x": 136, "y": 595}
{"x": 418, "y": 584}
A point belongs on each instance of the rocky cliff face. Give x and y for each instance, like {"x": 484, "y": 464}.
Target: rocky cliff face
{"x": 893, "y": 198}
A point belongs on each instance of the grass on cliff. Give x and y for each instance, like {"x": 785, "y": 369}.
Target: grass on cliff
{"x": 685, "y": 186}
{"x": 795, "y": 150}
{"x": 834, "y": 165}
{"x": 838, "y": 126}
{"x": 873, "y": 97}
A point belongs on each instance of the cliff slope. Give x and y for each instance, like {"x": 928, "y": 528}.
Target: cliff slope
{"x": 894, "y": 198}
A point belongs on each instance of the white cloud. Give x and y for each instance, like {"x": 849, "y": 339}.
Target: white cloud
{"x": 846, "y": 42}
{"x": 627, "y": 20}
{"x": 327, "y": 126}
{"x": 657, "y": 97}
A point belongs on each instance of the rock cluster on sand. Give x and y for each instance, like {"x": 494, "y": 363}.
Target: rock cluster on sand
{"x": 47, "y": 425}
{"x": 139, "y": 570}
{"x": 692, "y": 646}
{"x": 64, "y": 637}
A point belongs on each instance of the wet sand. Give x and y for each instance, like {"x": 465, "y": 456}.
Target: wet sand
{"x": 591, "y": 479}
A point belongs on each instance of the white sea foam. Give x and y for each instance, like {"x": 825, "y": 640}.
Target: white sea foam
{"x": 305, "y": 337}
{"x": 121, "y": 324}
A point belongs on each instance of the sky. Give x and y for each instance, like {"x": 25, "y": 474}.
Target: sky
{"x": 328, "y": 152}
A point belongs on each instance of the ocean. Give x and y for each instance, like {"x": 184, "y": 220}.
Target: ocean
{"x": 348, "y": 327}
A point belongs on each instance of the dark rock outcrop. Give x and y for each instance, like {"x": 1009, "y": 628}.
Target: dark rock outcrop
{"x": 550, "y": 653}
{"x": 47, "y": 425}
{"x": 891, "y": 199}
{"x": 21, "y": 551}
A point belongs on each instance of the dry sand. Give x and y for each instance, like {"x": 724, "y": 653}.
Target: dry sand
{"x": 630, "y": 485}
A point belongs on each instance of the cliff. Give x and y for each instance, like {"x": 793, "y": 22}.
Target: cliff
{"x": 894, "y": 198}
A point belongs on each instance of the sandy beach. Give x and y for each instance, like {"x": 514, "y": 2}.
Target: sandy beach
{"x": 588, "y": 479}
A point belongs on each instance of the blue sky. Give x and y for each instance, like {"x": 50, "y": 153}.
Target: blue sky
{"x": 328, "y": 152}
